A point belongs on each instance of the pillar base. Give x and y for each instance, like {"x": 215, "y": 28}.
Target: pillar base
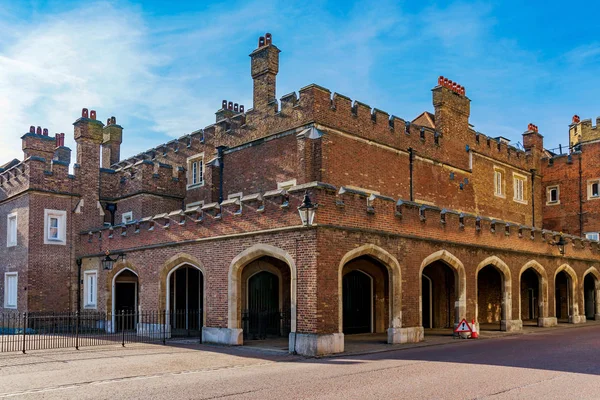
{"x": 577, "y": 319}
{"x": 230, "y": 337}
{"x": 547, "y": 322}
{"x": 413, "y": 334}
{"x": 597, "y": 317}
{"x": 511, "y": 325}
{"x": 312, "y": 344}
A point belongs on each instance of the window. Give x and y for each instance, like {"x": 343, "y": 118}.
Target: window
{"x": 127, "y": 217}
{"x": 196, "y": 171}
{"x": 90, "y": 289}
{"x": 594, "y": 189}
{"x": 498, "y": 182}
{"x": 10, "y": 289}
{"x": 11, "y": 230}
{"x": 552, "y": 195}
{"x": 519, "y": 188}
{"x": 592, "y": 236}
{"x": 55, "y": 226}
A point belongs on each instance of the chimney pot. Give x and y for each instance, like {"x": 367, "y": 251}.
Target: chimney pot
{"x": 230, "y": 105}
{"x": 93, "y": 114}
{"x": 261, "y": 41}
{"x": 241, "y": 108}
{"x": 45, "y": 132}
{"x": 224, "y": 104}
{"x": 113, "y": 120}
{"x": 32, "y": 129}
{"x": 84, "y": 113}
{"x": 576, "y": 119}
{"x": 38, "y": 130}
{"x": 236, "y": 107}
{"x": 268, "y": 38}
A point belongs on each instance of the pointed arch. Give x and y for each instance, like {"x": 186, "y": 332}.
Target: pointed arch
{"x": 235, "y": 274}
{"x": 574, "y": 306}
{"x": 395, "y": 278}
{"x": 506, "y": 283}
{"x": 452, "y": 261}
{"x": 594, "y": 272}
{"x": 543, "y": 288}
{"x": 115, "y": 272}
{"x": 171, "y": 265}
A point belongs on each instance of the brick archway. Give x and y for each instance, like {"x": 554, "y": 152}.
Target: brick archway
{"x": 594, "y": 272}
{"x": 172, "y": 264}
{"x": 453, "y": 262}
{"x": 235, "y": 277}
{"x": 574, "y": 316}
{"x": 506, "y": 322}
{"x": 395, "y": 283}
{"x": 543, "y": 319}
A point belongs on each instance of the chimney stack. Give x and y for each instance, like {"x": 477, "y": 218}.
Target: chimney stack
{"x": 111, "y": 143}
{"x": 264, "y": 69}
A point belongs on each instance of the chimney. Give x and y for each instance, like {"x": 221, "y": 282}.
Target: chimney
{"x": 264, "y": 68}
{"x": 61, "y": 153}
{"x": 88, "y": 136}
{"x": 452, "y": 109}
{"x": 111, "y": 143}
{"x": 532, "y": 138}
{"x": 37, "y": 143}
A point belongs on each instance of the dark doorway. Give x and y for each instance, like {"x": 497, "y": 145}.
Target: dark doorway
{"x": 530, "y": 289}
{"x": 263, "y": 305}
{"x": 185, "y": 301}
{"x": 126, "y": 300}
{"x": 442, "y": 299}
{"x": 589, "y": 296}
{"x": 489, "y": 298}
{"x": 357, "y": 302}
{"x": 562, "y": 296}
{"x": 426, "y": 294}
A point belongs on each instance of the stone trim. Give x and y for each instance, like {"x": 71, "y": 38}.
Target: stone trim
{"x": 543, "y": 291}
{"x": 596, "y": 274}
{"x": 574, "y": 308}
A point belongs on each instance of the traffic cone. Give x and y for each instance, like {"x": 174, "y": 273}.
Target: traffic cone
{"x": 474, "y": 334}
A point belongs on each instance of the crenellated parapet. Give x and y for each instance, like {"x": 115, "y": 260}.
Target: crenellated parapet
{"x": 344, "y": 208}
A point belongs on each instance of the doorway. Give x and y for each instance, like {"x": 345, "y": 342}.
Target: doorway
{"x": 357, "y": 302}
{"x": 126, "y": 301}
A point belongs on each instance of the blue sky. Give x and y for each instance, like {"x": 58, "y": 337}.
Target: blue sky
{"x": 162, "y": 68}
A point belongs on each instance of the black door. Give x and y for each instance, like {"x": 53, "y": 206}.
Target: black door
{"x": 357, "y": 304}
{"x": 426, "y": 302}
{"x": 263, "y": 314}
{"x": 125, "y": 302}
{"x": 589, "y": 290}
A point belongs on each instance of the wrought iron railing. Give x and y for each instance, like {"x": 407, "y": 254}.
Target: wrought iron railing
{"x": 38, "y": 331}
{"x": 259, "y": 324}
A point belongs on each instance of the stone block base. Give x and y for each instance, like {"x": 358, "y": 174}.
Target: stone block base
{"x": 577, "y": 319}
{"x": 312, "y": 344}
{"x": 597, "y": 317}
{"x": 405, "y": 335}
{"x": 230, "y": 337}
{"x": 511, "y": 325}
{"x": 547, "y": 322}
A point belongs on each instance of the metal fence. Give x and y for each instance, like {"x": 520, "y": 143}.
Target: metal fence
{"x": 260, "y": 324}
{"x": 39, "y": 331}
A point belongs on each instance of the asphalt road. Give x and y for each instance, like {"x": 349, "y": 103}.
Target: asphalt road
{"x": 556, "y": 364}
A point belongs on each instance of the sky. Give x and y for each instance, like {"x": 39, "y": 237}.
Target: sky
{"x": 162, "y": 68}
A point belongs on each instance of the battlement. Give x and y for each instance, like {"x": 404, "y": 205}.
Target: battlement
{"x": 581, "y": 131}
{"x": 345, "y": 208}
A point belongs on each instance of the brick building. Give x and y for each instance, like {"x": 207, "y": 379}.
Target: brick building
{"x": 420, "y": 223}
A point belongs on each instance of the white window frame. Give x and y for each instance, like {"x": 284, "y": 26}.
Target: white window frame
{"x": 519, "y": 180}
{"x": 592, "y": 236}
{"x": 287, "y": 184}
{"x": 7, "y": 300}
{"x": 192, "y": 178}
{"x": 124, "y": 216}
{"x": 61, "y": 217}
{"x": 591, "y": 182}
{"x": 11, "y": 234}
{"x": 499, "y": 185}
{"x": 90, "y": 295}
{"x": 549, "y": 190}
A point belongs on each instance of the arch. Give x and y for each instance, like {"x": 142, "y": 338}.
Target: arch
{"x": 167, "y": 297}
{"x": 234, "y": 280}
{"x": 452, "y": 261}
{"x": 118, "y": 270}
{"x": 506, "y": 290}
{"x": 171, "y": 265}
{"x": 574, "y": 306}
{"x": 543, "y": 287}
{"x": 395, "y": 281}
{"x": 593, "y": 271}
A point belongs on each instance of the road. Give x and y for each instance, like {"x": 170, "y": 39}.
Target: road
{"x": 553, "y": 364}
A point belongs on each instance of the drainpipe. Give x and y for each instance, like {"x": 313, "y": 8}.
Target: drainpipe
{"x": 410, "y": 169}
{"x": 221, "y": 158}
{"x": 533, "y": 198}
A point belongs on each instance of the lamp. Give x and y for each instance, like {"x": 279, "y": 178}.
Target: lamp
{"x": 108, "y": 262}
{"x": 561, "y": 245}
{"x": 307, "y": 210}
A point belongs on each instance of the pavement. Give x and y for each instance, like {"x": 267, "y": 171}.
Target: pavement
{"x": 556, "y": 363}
